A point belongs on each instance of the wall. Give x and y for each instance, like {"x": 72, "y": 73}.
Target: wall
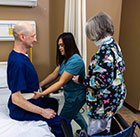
{"x": 113, "y": 8}
{"x": 48, "y": 18}
{"x": 56, "y": 25}
{"x": 129, "y": 40}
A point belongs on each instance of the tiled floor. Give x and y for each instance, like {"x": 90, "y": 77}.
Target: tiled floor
{"x": 127, "y": 114}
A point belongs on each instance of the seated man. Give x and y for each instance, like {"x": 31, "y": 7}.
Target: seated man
{"x": 22, "y": 78}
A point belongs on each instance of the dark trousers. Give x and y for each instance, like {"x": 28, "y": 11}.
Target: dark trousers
{"x": 54, "y": 123}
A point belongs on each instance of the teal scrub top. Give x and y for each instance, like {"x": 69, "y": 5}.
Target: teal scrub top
{"x": 75, "y": 66}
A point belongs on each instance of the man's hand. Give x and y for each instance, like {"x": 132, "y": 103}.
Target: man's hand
{"x": 36, "y": 95}
{"x": 48, "y": 113}
{"x": 20, "y": 101}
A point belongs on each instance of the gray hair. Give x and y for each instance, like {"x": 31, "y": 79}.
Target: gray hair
{"x": 21, "y": 27}
{"x": 99, "y": 27}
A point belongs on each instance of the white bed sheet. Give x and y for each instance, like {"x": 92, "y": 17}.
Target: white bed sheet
{"x": 13, "y": 128}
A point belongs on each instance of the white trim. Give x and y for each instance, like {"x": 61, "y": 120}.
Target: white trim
{"x": 3, "y": 63}
{"x": 29, "y": 3}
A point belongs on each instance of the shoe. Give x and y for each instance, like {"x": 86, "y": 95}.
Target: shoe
{"x": 83, "y": 133}
{"x": 77, "y": 133}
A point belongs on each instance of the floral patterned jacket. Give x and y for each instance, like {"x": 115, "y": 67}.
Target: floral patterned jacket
{"x": 107, "y": 90}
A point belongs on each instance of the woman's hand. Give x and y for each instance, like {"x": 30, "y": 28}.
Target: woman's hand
{"x": 36, "y": 95}
{"x": 75, "y": 79}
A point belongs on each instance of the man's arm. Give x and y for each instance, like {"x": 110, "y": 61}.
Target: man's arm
{"x": 18, "y": 100}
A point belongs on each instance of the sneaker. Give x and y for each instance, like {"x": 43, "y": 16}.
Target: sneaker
{"x": 83, "y": 133}
{"x": 77, "y": 133}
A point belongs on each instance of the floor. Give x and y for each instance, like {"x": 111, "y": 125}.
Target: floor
{"x": 126, "y": 113}
{"x": 130, "y": 116}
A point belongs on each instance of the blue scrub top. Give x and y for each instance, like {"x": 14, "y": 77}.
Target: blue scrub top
{"x": 21, "y": 75}
{"x": 75, "y": 66}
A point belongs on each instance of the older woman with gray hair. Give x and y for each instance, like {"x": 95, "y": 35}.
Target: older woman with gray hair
{"x": 105, "y": 75}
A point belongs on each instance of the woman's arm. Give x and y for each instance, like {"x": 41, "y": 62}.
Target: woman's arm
{"x": 65, "y": 77}
{"x": 101, "y": 74}
{"x": 51, "y": 77}
{"x": 101, "y": 71}
{"x": 18, "y": 100}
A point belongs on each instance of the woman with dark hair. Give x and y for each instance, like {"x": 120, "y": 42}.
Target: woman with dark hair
{"x": 69, "y": 63}
{"x": 105, "y": 75}
{"x": 70, "y": 48}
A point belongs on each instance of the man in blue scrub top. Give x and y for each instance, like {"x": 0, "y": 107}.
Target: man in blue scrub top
{"x": 22, "y": 78}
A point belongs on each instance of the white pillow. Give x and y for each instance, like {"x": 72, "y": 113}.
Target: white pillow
{"x": 3, "y": 74}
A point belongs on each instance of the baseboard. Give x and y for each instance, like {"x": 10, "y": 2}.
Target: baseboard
{"x": 131, "y": 108}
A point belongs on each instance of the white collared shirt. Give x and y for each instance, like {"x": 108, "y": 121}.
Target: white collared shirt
{"x": 105, "y": 40}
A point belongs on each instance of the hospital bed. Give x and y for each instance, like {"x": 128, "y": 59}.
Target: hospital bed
{"x": 13, "y": 128}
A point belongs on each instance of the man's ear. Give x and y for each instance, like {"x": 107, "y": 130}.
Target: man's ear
{"x": 21, "y": 36}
